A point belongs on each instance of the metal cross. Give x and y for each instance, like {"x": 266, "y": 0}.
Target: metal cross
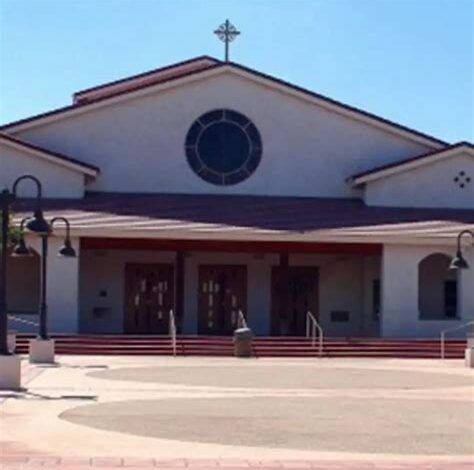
{"x": 226, "y": 32}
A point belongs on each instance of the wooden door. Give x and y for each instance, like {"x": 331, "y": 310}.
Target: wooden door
{"x": 302, "y": 295}
{"x": 222, "y": 293}
{"x": 149, "y": 296}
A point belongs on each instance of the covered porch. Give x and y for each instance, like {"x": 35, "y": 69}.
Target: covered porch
{"x": 362, "y": 271}
{"x": 129, "y": 285}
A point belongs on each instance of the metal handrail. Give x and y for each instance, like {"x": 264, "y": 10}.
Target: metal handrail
{"x": 312, "y": 326}
{"x": 241, "y": 321}
{"x": 448, "y": 330}
{"x": 21, "y": 320}
{"x": 173, "y": 332}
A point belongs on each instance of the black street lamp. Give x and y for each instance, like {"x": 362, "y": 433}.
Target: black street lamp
{"x": 459, "y": 262}
{"x": 67, "y": 251}
{"x": 38, "y": 225}
{"x": 35, "y": 224}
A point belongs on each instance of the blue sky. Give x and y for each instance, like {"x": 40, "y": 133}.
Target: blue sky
{"x": 410, "y": 61}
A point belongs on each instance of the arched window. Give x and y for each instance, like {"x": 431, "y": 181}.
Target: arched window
{"x": 437, "y": 288}
{"x": 23, "y": 284}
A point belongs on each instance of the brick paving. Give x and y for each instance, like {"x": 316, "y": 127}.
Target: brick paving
{"x": 104, "y": 463}
{"x": 16, "y": 454}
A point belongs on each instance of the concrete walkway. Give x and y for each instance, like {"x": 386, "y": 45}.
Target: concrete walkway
{"x": 160, "y": 412}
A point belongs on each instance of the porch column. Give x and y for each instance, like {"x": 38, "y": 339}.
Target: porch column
{"x": 62, "y": 277}
{"x": 284, "y": 289}
{"x": 179, "y": 289}
{"x": 466, "y": 288}
{"x": 399, "y": 290}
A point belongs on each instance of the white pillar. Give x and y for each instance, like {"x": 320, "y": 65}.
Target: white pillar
{"x": 62, "y": 277}
{"x": 466, "y": 287}
{"x": 399, "y": 290}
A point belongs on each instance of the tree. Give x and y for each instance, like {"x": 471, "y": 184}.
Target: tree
{"x": 13, "y": 233}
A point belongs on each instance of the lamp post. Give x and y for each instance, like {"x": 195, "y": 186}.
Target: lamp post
{"x": 35, "y": 224}
{"x": 459, "y": 262}
{"x": 10, "y": 377}
{"x": 42, "y": 349}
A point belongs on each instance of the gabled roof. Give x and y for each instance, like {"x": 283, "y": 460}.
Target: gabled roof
{"x": 55, "y": 157}
{"x": 178, "y": 74}
{"x": 410, "y": 163}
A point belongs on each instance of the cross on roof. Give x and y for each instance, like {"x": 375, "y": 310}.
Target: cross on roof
{"x": 226, "y": 32}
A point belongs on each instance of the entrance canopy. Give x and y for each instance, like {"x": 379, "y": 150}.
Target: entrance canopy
{"x": 202, "y": 217}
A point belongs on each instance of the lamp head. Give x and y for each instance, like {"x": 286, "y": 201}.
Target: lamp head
{"x": 458, "y": 262}
{"x": 37, "y": 224}
{"x": 21, "y": 250}
{"x": 67, "y": 250}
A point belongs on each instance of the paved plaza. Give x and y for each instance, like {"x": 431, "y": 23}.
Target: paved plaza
{"x": 162, "y": 412}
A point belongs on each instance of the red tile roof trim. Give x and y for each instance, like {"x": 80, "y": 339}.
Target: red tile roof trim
{"x": 151, "y": 77}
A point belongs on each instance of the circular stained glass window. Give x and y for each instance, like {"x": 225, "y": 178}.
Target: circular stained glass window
{"x": 223, "y": 147}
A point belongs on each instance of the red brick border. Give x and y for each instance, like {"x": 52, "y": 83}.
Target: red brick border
{"x": 124, "y": 463}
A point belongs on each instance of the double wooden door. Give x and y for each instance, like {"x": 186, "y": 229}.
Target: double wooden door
{"x": 293, "y": 295}
{"x": 149, "y": 297}
{"x": 222, "y": 293}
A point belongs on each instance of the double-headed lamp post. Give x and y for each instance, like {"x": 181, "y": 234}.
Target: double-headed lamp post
{"x": 35, "y": 224}
{"x": 67, "y": 251}
{"x": 459, "y": 262}
{"x": 38, "y": 225}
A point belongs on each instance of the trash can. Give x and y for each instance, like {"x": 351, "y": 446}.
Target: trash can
{"x": 243, "y": 338}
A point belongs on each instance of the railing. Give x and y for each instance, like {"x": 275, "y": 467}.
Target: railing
{"x": 22, "y": 320}
{"x": 241, "y": 321}
{"x": 313, "y": 329}
{"x": 173, "y": 332}
{"x": 448, "y": 330}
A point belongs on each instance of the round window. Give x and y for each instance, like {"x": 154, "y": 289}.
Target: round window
{"x": 223, "y": 147}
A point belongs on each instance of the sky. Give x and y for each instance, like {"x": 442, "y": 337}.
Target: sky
{"x": 410, "y": 61}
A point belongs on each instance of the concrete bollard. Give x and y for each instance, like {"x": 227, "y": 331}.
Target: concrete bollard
{"x": 11, "y": 340}
{"x": 10, "y": 372}
{"x": 42, "y": 351}
{"x": 469, "y": 357}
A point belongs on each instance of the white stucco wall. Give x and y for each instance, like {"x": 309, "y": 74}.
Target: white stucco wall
{"x": 62, "y": 288}
{"x": 400, "y": 312}
{"x": 341, "y": 288}
{"x": 57, "y": 181}
{"x": 430, "y": 185}
{"x": 139, "y": 143}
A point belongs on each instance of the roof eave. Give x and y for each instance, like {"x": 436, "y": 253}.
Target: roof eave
{"x": 367, "y": 177}
{"x": 72, "y": 164}
{"x": 295, "y": 90}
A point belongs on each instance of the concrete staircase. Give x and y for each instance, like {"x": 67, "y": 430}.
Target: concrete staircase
{"x": 263, "y": 346}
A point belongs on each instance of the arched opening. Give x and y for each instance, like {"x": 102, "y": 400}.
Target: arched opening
{"x": 437, "y": 288}
{"x": 23, "y": 284}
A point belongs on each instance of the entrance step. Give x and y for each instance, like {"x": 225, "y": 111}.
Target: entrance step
{"x": 188, "y": 345}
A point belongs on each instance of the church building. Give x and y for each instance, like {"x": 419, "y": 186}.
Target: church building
{"x": 209, "y": 188}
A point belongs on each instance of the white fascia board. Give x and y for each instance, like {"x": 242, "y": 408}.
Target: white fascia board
{"x": 51, "y": 158}
{"x": 411, "y": 165}
{"x": 255, "y": 77}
